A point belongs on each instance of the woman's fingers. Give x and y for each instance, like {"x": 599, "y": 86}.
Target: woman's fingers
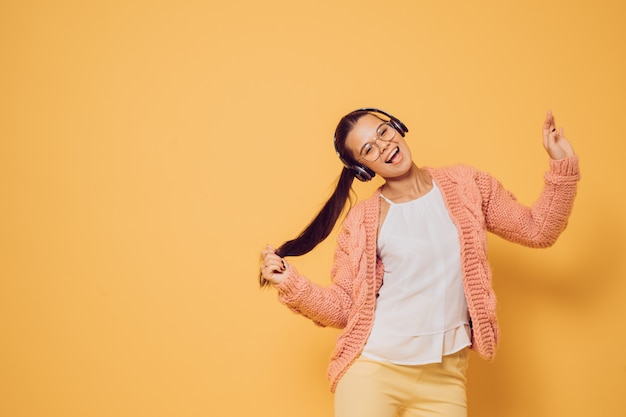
{"x": 549, "y": 130}
{"x": 554, "y": 141}
{"x": 272, "y": 265}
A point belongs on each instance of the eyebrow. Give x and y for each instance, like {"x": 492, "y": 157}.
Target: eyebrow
{"x": 372, "y": 140}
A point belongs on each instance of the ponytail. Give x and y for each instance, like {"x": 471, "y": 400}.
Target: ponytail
{"x": 321, "y": 226}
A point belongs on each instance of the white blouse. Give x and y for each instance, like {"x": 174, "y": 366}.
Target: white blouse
{"x": 421, "y": 311}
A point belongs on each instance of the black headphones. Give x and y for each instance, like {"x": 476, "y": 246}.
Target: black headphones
{"x": 361, "y": 172}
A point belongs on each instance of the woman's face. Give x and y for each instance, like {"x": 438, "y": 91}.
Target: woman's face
{"x": 395, "y": 156}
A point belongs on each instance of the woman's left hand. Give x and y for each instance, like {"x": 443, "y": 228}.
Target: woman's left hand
{"x": 557, "y": 146}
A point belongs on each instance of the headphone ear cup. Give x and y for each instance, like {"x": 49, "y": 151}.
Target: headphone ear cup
{"x": 363, "y": 173}
{"x": 398, "y": 125}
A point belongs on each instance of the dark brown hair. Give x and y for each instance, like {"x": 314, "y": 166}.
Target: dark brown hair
{"x": 321, "y": 226}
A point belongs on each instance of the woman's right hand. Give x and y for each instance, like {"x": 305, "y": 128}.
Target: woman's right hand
{"x": 272, "y": 266}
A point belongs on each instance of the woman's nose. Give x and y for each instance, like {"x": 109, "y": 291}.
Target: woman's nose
{"x": 382, "y": 144}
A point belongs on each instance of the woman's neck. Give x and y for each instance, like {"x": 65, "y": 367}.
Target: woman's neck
{"x": 414, "y": 184}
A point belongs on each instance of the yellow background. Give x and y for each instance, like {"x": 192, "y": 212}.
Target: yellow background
{"x": 150, "y": 149}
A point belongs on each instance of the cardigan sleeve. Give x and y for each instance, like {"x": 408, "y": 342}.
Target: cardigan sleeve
{"x": 325, "y": 306}
{"x": 540, "y": 224}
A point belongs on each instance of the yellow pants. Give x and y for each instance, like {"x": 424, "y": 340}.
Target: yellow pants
{"x": 380, "y": 389}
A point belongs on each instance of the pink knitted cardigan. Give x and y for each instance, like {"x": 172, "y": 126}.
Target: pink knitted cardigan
{"x": 477, "y": 203}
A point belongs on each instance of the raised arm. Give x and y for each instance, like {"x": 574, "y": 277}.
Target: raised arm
{"x": 541, "y": 224}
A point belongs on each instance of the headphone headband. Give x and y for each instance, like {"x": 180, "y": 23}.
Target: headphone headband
{"x": 361, "y": 172}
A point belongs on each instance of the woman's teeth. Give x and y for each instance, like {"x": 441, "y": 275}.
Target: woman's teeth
{"x": 392, "y": 155}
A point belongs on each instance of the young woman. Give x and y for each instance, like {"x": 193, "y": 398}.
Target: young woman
{"x": 411, "y": 285}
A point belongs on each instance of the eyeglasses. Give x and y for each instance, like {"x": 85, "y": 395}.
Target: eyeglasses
{"x": 371, "y": 151}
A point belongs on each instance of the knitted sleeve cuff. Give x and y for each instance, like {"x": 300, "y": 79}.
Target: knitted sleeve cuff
{"x": 565, "y": 167}
{"x": 290, "y": 288}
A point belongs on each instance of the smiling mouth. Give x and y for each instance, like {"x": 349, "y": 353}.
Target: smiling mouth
{"x": 392, "y": 155}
